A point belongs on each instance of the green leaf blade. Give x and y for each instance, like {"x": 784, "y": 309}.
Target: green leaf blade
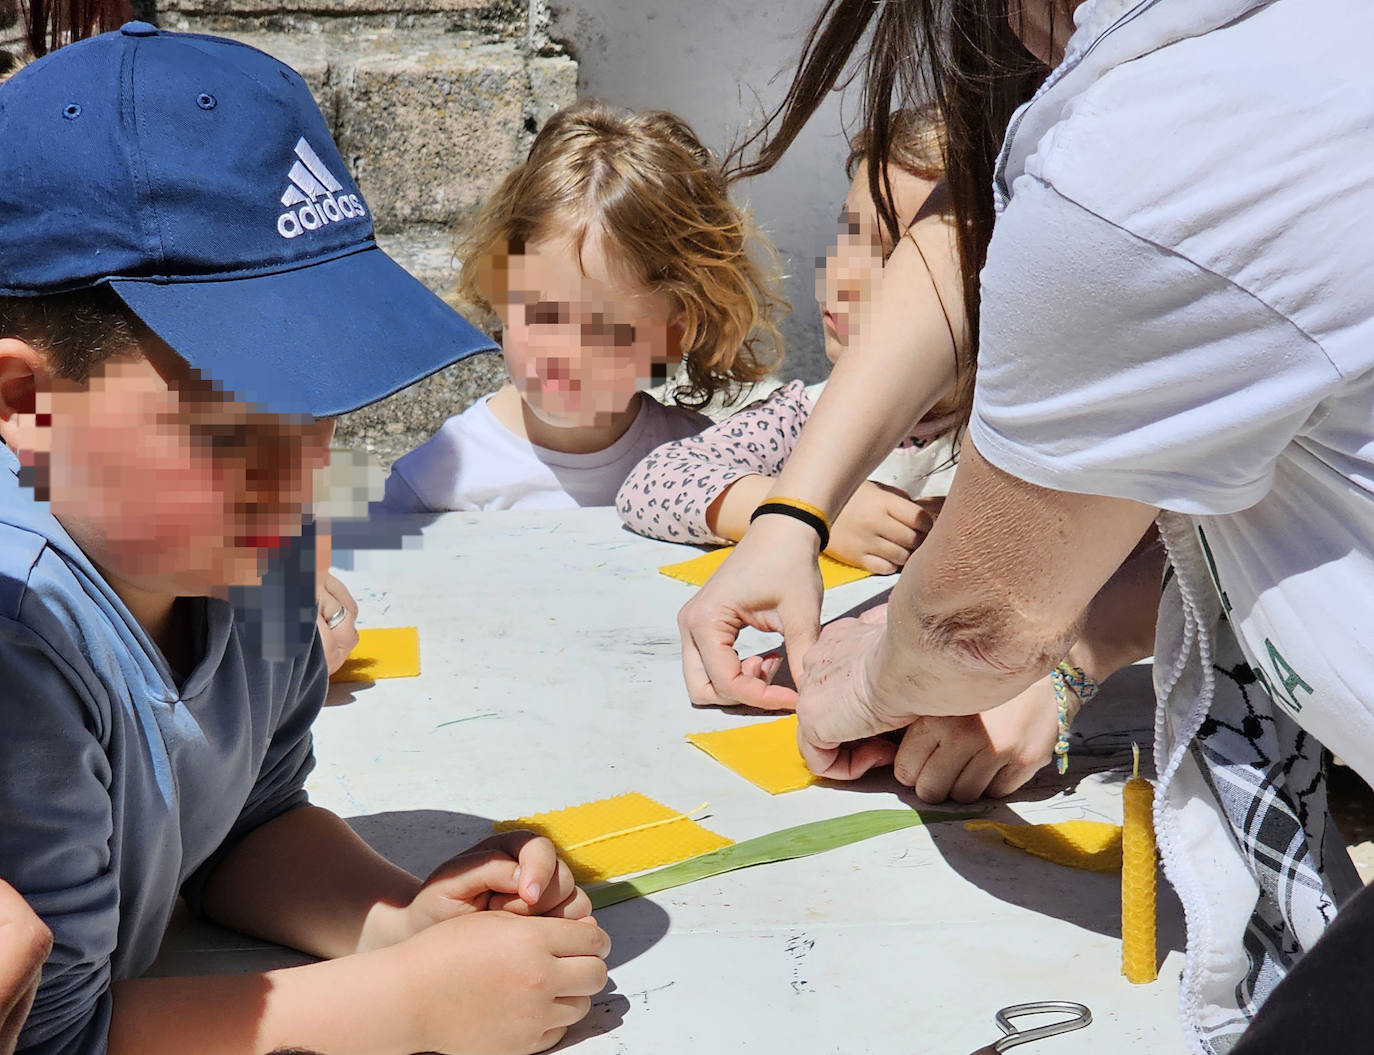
{"x": 785, "y": 845}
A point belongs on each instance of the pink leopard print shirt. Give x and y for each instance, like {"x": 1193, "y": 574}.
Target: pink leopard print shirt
{"x": 667, "y": 494}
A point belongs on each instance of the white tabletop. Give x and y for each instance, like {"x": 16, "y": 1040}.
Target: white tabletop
{"x": 550, "y": 677}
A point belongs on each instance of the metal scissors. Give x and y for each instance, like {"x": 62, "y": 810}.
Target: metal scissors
{"x": 1079, "y": 1016}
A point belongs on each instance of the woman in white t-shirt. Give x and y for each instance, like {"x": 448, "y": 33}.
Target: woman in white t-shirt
{"x": 1177, "y": 322}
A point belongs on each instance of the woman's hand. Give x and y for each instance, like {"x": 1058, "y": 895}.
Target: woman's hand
{"x": 878, "y": 528}
{"x": 962, "y": 757}
{"x": 840, "y": 716}
{"x": 24, "y": 944}
{"x": 771, "y": 582}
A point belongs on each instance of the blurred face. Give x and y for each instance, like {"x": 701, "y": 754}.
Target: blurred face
{"x": 165, "y": 483}
{"x": 581, "y": 336}
{"x": 854, "y": 264}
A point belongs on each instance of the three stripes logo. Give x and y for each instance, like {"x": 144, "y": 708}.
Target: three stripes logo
{"x": 312, "y": 199}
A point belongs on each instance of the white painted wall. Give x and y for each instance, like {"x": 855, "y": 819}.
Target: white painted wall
{"x": 721, "y": 64}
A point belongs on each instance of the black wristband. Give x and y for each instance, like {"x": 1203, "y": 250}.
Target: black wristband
{"x": 787, "y": 510}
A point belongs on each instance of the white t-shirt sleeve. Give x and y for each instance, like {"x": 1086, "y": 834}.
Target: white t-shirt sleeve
{"x": 1110, "y": 365}
{"x": 400, "y": 496}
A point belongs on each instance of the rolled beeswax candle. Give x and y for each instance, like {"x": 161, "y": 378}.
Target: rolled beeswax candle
{"x": 1138, "y": 878}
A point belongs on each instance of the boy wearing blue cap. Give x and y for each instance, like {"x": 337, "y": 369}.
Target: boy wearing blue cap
{"x": 189, "y": 291}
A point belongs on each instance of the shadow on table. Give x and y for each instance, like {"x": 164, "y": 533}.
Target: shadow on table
{"x": 420, "y": 840}
{"x": 342, "y": 693}
{"x": 1101, "y": 745}
{"x": 1101, "y": 748}
{"x": 634, "y": 927}
{"x": 1086, "y": 899}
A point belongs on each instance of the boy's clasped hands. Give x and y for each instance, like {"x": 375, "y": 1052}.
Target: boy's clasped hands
{"x": 498, "y": 948}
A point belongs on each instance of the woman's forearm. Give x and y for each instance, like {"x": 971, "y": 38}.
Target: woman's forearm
{"x": 900, "y": 362}
{"x": 1000, "y": 591}
{"x": 1119, "y": 627}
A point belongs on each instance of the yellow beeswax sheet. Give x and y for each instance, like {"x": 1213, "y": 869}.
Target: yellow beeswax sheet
{"x": 1093, "y": 846}
{"x": 696, "y": 571}
{"x": 764, "y": 753}
{"x": 382, "y": 652}
{"x": 620, "y": 835}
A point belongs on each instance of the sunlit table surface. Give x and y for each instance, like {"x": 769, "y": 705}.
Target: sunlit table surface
{"x": 551, "y": 677}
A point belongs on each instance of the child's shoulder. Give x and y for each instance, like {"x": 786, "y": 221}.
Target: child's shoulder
{"x": 468, "y": 461}
{"x": 20, "y": 551}
{"x": 41, "y": 568}
{"x": 475, "y": 426}
{"x": 787, "y": 406}
{"x": 670, "y": 421}
{"x": 55, "y": 619}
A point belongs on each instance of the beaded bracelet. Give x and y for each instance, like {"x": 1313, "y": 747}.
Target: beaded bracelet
{"x": 797, "y": 510}
{"x": 1064, "y": 678}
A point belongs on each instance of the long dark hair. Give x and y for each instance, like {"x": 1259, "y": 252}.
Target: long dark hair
{"x": 962, "y": 57}
{"x": 49, "y": 24}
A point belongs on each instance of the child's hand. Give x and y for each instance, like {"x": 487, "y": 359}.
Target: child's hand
{"x": 335, "y": 615}
{"x": 878, "y": 528}
{"x": 499, "y": 984}
{"x": 966, "y": 757}
{"x": 516, "y": 872}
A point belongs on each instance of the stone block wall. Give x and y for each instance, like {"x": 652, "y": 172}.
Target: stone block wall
{"x": 431, "y": 103}
{"x": 10, "y": 34}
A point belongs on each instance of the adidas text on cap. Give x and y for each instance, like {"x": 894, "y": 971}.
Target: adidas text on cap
{"x": 313, "y": 187}
{"x": 196, "y": 176}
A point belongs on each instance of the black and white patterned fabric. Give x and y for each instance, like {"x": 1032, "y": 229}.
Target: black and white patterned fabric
{"x": 1241, "y": 810}
{"x": 1269, "y": 778}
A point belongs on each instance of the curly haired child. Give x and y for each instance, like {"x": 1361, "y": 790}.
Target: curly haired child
{"x": 611, "y": 253}
{"x": 702, "y": 488}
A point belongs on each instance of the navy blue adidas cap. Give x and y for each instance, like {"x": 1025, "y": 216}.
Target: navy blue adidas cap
{"x": 196, "y": 177}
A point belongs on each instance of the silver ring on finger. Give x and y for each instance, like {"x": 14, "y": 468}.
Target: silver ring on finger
{"x": 337, "y": 618}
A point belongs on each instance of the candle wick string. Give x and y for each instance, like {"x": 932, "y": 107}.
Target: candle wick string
{"x": 637, "y": 828}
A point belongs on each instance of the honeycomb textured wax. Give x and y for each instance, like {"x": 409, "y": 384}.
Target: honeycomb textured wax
{"x": 382, "y": 652}
{"x": 696, "y": 571}
{"x": 764, "y": 753}
{"x": 620, "y": 835}
{"x": 1091, "y": 845}
{"x": 1138, "y": 879}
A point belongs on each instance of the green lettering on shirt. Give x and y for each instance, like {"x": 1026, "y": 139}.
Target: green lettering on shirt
{"x": 1288, "y": 677}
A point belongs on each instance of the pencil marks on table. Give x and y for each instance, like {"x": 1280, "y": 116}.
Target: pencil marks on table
{"x": 799, "y": 947}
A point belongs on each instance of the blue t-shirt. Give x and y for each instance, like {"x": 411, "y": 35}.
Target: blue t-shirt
{"x": 119, "y": 788}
